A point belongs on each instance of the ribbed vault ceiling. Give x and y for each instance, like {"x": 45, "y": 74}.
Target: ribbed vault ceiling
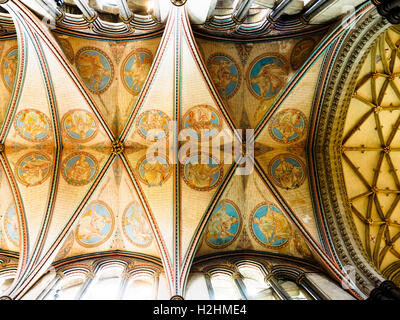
{"x": 77, "y": 126}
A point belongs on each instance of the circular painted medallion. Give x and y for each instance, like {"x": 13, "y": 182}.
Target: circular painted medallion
{"x": 153, "y": 125}
{"x": 202, "y": 119}
{"x": 288, "y": 126}
{"x": 79, "y": 168}
{"x": 267, "y": 75}
{"x": 153, "y": 171}
{"x": 202, "y": 172}
{"x": 33, "y": 125}
{"x": 95, "y": 225}
{"x": 11, "y": 225}
{"x": 9, "y": 67}
{"x": 33, "y": 168}
{"x": 79, "y": 125}
{"x": 225, "y": 74}
{"x": 269, "y": 226}
{"x": 287, "y": 171}
{"x": 95, "y": 69}
{"x": 135, "y": 69}
{"x": 301, "y": 52}
{"x": 224, "y": 225}
{"x": 135, "y": 226}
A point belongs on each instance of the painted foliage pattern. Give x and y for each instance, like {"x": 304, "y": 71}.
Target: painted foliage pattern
{"x": 95, "y": 69}
{"x": 225, "y": 73}
{"x": 135, "y": 226}
{"x": 269, "y": 226}
{"x": 224, "y": 225}
{"x": 96, "y": 224}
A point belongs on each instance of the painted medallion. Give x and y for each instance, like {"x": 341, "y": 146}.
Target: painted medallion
{"x": 79, "y": 168}
{"x": 79, "y": 125}
{"x": 136, "y": 227}
{"x": 288, "y": 126}
{"x": 301, "y": 52}
{"x": 33, "y": 168}
{"x": 224, "y": 225}
{"x": 202, "y": 172}
{"x": 9, "y": 67}
{"x": 11, "y": 225}
{"x": 95, "y": 225}
{"x": 153, "y": 171}
{"x": 267, "y": 75}
{"x": 32, "y": 125}
{"x": 153, "y": 125}
{"x": 287, "y": 171}
{"x": 135, "y": 69}
{"x": 202, "y": 119}
{"x": 95, "y": 69}
{"x": 225, "y": 74}
{"x": 269, "y": 226}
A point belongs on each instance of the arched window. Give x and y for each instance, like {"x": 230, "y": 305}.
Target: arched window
{"x": 224, "y": 287}
{"x": 255, "y": 286}
{"x": 295, "y": 291}
{"x": 105, "y": 285}
{"x": 140, "y": 287}
{"x": 68, "y": 289}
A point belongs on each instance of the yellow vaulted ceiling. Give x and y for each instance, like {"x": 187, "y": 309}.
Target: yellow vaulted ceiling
{"x": 78, "y": 130}
{"x": 370, "y": 152}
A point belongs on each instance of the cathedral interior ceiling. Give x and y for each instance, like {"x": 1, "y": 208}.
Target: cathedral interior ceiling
{"x": 77, "y": 114}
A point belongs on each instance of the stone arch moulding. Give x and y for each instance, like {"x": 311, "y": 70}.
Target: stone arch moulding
{"x": 329, "y": 191}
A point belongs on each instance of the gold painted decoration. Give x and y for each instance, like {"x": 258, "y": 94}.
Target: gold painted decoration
{"x": 153, "y": 171}
{"x": 9, "y": 66}
{"x": 224, "y": 225}
{"x": 202, "y": 119}
{"x": 33, "y": 168}
{"x": 269, "y": 226}
{"x": 288, "y": 126}
{"x": 135, "y": 69}
{"x": 96, "y": 225}
{"x": 79, "y": 125}
{"x": 287, "y": 171}
{"x": 153, "y": 125}
{"x": 225, "y": 74}
{"x": 79, "y": 168}
{"x": 202, "y": 172}
{"x": 66, "y": 48}
{"x": 301, "y": 52}
{"x": 136, "y": 227}
{"x": 95, "y": 69}
{"x": 33, "y": 125}
{"x": 267, "y": 75}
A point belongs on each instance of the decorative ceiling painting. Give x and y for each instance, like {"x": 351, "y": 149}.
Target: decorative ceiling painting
{"x": 134, "y": 147}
